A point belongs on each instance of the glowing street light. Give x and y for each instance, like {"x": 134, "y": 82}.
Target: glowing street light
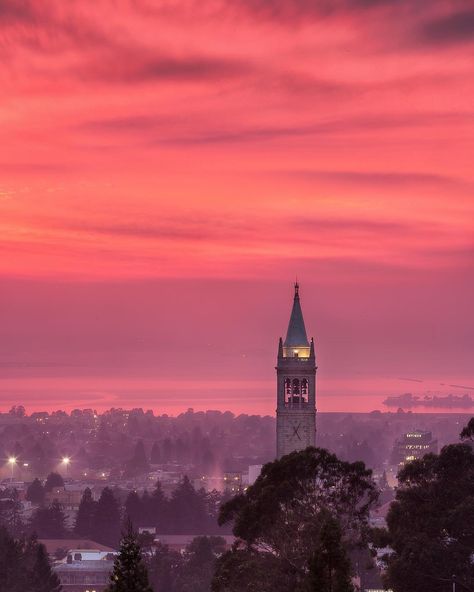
{"x": 66, "y": 460}
{"x": 12, "y": 463}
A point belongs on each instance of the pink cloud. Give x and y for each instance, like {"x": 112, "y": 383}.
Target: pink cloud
{"x": 147, "y": 145}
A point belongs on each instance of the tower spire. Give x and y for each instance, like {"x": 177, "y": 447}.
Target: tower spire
{"x": 296, "y": 334}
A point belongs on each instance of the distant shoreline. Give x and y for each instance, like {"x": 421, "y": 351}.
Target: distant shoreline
{"x": 448, "y": 401}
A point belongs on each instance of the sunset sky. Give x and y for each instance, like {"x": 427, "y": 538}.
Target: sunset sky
{"x": 168, "y": 168}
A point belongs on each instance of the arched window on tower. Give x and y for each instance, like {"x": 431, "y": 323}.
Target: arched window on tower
{"x": 296, "y": 386}
{"x": 287, "y": 390}
{"x": 304, "y": 386}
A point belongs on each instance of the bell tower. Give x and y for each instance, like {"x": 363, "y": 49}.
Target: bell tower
{"x": 296, "y": 386}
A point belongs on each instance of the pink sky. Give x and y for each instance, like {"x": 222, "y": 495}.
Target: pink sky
{"x": 168, "y": 168}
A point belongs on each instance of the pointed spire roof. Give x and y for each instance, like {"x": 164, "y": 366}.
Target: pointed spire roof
{"x": 296, "y": 334}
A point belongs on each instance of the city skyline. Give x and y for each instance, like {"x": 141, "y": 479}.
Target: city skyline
{"x": 168, "y": 169}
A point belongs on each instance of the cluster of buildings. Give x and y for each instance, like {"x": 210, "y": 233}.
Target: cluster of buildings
{"x": 85, "y": 566}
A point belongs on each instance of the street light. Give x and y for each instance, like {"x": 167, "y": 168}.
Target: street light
{"x": 12, "y": 463}
{"x": 66, "y": 460}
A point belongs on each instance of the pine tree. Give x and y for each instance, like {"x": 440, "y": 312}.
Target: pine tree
{"x": 155, "y": 453}
{"x": 42, "y": 577}
{"x": 159, "y": 510}
{"x": 134, "y": 508}
{"x": 35, "y": 492}
{"x": 129, "y": 573}
{"x": 85, "y": 514}
{"x": 53, "y": 481}
{"x": 49, "y": 522}
{"x": 106, "y": 526}
{"x": 187, "y": 509}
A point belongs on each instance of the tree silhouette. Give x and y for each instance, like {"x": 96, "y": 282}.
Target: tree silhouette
{"x": 468, "y": 431}
{"x": 291, "y": 522}
{"x": 159, "y": 513}
{"x": 106, "y": 526}
{"x": 35, "y": 492}
{"x": 129, "y": 573}
{"x": 49, "y": 523}
{"x": 134, "y": 508}
{"x": 53, "y": 481}
{"x": 430, "y": 523}
{"x": 155, "y": 454}
{"x": 24, "y": 566}
{"x": 41, "y": 577}
{"x": 187, "y": 509}
{"x": 86, "y": 514}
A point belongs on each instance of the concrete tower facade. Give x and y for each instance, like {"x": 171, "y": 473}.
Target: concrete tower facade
{"x": 296, "y": 386}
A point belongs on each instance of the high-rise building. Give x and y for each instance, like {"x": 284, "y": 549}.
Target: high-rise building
{"x": 413, "y": 445}
{"x": 296, "y": 386}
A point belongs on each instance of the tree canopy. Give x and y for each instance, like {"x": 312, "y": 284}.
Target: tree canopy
{"x": 431, "y": 523}
{"x": 129, "y": 573}
{"x": 85, "y": 516}
{"x": 107, "y": 519}
{"x": 468, "y": 431}
{"x": 24, "y": 566}
{"x": 53, "y": 480}
{"x": 307, "y": 501}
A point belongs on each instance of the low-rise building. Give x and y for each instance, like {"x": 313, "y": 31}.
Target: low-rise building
{"x": 84, "y": 575}
{"x": 85, "y": 568}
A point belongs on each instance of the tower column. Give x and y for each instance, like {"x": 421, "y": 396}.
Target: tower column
{"x": 296, "y": 386}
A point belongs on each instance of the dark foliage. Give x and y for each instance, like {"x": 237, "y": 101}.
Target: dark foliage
{"x": 35, "y": 492}
{"x": 129, "y": 573}
{"x": 294, "y": 515}
{"x": 53, "y": 480}
{"x": 191, "y": 572}
{"x": 85, "y": 517}
{"x": 107, "y": 519}
{"x": 431, "y": 523}
{"x": 24, "y": 566}
{"x": 49, "y": 523}
{"x": 468, "y": 431}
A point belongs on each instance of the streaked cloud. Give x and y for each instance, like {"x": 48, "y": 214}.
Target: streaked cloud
{"x": 169, "y": 167}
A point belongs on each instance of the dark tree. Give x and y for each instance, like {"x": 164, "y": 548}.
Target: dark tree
{"x": 306, "y": 502}
{"x": 468, "y": 431}
{"x": 41, "y": 577}
{"x": 134, "y": 508}
{"x": 85, "y": 514}
{"x": 198, "y": 566}
{"x": 106, "y": 529}
{"x": 329, "y": 567}
{"x": 11, "y": 556}
{"x": 252, "y": 571}
{"x": 164, "y": 567}
{"x": 145, "y": 509}
{"x": 430, "y": 524}
{"x": 24, "y": 566}
{"x": 138, "y": 464}
{"x": 35, "y": 492}
{"x": 49, "y": 523}
{"x": 187, "y": 509}
{"x": 54, "y": 480}
{"x": 155, "y": 454}
{"x": 129, "y": 573}
{"x": 11, "y": 515}
{"x": 158, "y": 509}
